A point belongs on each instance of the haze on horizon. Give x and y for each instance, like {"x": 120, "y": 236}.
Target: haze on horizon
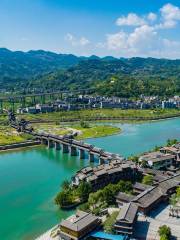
{"x": 84, "y": 28}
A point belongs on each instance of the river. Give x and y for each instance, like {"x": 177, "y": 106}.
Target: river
{"x": 30, "y": 178}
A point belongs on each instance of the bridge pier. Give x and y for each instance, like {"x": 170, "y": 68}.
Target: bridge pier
{"x": 50, "y": 143}
{"x": 43, "y": 141}
{"x": 65, "y": 148}
{"x": 81, "y": 153}
{"x": 91, "y": 157}
{"x": 101, "y": 161}
{"x": 57, "y": 146}
{"x": 73, "y": 151}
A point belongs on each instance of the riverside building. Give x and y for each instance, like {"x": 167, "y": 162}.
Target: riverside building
{"x": 102, "y": 175}
{"x": 78, "y": 226}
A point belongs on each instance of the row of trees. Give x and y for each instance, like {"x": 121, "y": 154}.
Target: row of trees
{"x": 69, "y": 195}
{"x": 105, "y": 197}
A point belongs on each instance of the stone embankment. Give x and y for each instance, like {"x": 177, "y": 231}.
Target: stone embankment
{"x": 19, "y": 145}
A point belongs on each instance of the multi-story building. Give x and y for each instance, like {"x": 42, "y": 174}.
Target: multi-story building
{"x": 126, "y": 219}
{"x": 158, "y": 160}
{"x": 78, "y": 226}
{"x": 102, "y": 175}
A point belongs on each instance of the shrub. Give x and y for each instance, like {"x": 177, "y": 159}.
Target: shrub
{"x": 164, "y": 232}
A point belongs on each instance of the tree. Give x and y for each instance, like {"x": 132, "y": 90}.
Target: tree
{"x": 65, "y": 185}
{"x": 93, "y": 199}
{"x": 170, "y": 142}
{"x": 84, "y": 124}
{"x": 134, "y": 159}
{"x": 143, "y": 164}
{"x": 148, "y": 179}
{"x": 178, "y": 192}
{"x": 84, "y": 190}
{"x": 110, "y": 221}
{"x": 63, "y": 199}
{"x": 164, "y": 232}
{"x": 173, "y": 200}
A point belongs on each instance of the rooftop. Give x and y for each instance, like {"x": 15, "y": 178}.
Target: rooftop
{"x": 156, "y": 156}
{"x": 79, "y": 221}
{"x": 128, "y": 212}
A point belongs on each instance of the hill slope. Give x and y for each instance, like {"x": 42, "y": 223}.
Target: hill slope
{"x": 42, "y": 71}
{"x": 127, "y": 77}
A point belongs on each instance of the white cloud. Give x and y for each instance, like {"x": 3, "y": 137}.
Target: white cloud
{"x": 170, "y": 16}
{"x": 75, "y": 41}
{"x": 170, "y": 12}
{"x": 117, "y": 41}
{"x": 146, "y": 38}
{"x": 131, "y": 19}
{"x": 84, "y": 41}
{"x": 152, "y": 16}
{"x": 141, "y": 40}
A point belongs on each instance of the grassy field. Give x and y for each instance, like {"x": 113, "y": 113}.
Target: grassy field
{"x": 82, "y": 133}
{"x": 9, "y": 135}
{"x": 104, "y": 114}
{"x": 95, "y": 131}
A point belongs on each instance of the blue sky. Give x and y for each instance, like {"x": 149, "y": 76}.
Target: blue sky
{"x": 85, "y": 27}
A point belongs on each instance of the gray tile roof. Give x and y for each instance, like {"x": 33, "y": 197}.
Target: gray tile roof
{"x": 141, "y": 186}
{"x": 127, "y": 213}
{"x": 79, "y": 221}
{"x": 124, "y": 197}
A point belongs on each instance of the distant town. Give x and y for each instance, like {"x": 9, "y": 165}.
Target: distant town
{"x": 99, "y": 102}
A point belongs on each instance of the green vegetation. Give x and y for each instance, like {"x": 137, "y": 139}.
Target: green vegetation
{"x": 87, "y": 131}
{"x": 9, "y": 135}
{"x": 103, "y": 114}
{"x": 70, "y": 196}
{"x": 95, "y": 131}
{"x": 171, "y": 142}
{"x": 105, "y": 197}
{"x": 115, "y": 77}
{"x": 92, "y": 201}
{"x": 107, "y": 76}
{"x": 164, "y": 232}
{"x": 148, "y": 179}
{"x": 84, "y": 124}
{"x": 110, "y": 221}
{"x": 175, "y": 198}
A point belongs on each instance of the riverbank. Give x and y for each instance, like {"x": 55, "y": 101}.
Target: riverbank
{"x": 13, "y": 146}
{"x": 30, "y": 178}
{"x": 80, "y": 132}
{"x": 9, "y": 135}
{"x": 103, "y": 115}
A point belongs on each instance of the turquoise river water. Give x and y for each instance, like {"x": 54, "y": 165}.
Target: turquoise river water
{"x": 30, "y": 178}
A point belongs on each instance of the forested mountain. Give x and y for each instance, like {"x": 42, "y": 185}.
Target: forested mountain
{"x": 44, "y": 71}
{"x": 21, "y": 66}
{"x": 125, "y": 77}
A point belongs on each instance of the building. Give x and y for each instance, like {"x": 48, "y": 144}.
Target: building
{"x": 123, "y": 198}
{"x": 78, "y": 226}
{"x": 174, "y": 150}
{"x": 21, "y": 110}
{"x": 158, "y": 160}
{"x": 154, "y": 195}
{"x": 126, "y": 219}
{"x": 139, "y": 188}
{"x": 31, "y": 110}
{"x": 44, "y": 108}
{"x": 103, "y": 174}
